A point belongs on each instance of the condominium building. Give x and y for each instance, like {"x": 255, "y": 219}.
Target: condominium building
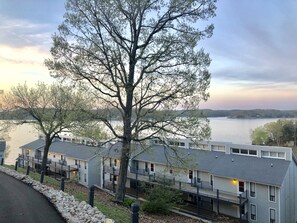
{"x": 251, "y": 183}
{"x": 74, "y": 161}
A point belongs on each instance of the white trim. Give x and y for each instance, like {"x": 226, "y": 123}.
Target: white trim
{"x": 250, "y": 190}
{"x": 274, "y": 194}
{"x": 275, "y": 212}
{"x": 278, "y": 204}
{"x": 251, "y": 212}
{"x": 244, "y": 187}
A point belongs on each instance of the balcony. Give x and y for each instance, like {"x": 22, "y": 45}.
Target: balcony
{"x": 31, "y": 159}
{"x": 62, "y": 162}
{"x": 203, "y": 188}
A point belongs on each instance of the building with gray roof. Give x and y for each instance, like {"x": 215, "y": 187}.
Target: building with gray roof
{"x": 72, "y": 160}
{"x": 251, "y": 183}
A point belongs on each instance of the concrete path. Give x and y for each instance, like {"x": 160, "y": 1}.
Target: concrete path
{"x": 20, "y": 203}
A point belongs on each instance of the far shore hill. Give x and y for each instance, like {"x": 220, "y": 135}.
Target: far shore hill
{"x": 233, "y": 113}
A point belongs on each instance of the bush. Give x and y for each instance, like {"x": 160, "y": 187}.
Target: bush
{"x": 160, "y": 199}
{"x": 128, "y": 202}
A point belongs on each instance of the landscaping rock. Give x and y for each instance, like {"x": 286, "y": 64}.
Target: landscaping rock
{"x": 72, "y": 210}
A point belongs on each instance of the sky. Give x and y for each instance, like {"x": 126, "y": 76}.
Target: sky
{"x": 253, "y": 50}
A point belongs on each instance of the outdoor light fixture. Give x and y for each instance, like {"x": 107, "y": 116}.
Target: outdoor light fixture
{"x": 234, "y": 181}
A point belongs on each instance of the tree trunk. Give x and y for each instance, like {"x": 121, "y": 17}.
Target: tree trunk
{"x": 45, "y": 153}
{"x": 121, "y": 182}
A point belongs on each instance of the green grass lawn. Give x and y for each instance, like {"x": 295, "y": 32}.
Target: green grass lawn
{"x": 118, "y": 214}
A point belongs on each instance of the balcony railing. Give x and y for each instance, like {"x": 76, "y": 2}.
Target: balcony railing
{"x": 35, "y": 159}
{"x": 62, "y": 162}
{"x": 144, "y": 172}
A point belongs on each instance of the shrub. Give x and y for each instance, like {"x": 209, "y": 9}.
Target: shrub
{"x": 160, "y": 199}
{"x": 128, "y": 202}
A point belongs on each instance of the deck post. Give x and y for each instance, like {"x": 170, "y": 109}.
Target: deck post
{"x": 136, "y": 184}
{"x": 240, "y": 218}
{"x": 103, "y": 173}
{"x": 62, "y": 186}
{"x": 41, "y": 176}
{"x": 55, "y": 169}
{"x": 135, "y": 212}
{"x": 91, "y": 195}
{"x": 16, "y": 166}
{"x": 218, "y": 201}
{"x": 197, "y": 198}
{"x": 28, "y": 170}
{"x": 113, "y": 183}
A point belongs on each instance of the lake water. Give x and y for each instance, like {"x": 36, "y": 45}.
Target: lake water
{"x": 223, "y": 129}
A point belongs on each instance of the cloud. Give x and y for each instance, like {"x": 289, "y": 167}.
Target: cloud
{"x": 23, "y": 33}
{"x": 19, "y": 65}
{"x": 254, "y": 42}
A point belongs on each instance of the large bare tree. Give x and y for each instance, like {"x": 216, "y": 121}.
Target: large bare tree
{"x": 141, "y": 57}
{"x": 50, "y": 108}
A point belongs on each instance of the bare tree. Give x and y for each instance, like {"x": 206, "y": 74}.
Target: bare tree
{"x": 50, "y": 108}
{"x": 141, "y": 59}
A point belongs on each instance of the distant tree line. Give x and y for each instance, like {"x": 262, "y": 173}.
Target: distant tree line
{"x": 279, "y": 133}
{"x": 240, "y": 114}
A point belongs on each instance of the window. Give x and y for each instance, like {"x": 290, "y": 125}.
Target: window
{"x": 152, "y": 167}
{"x": 146, "y": 166}
{"x": 241, "y": 186}
{"x": 110, "y": 162}
{"x": 171, "y": 171}
{"x": 253, "y": 212}
{"x": 253, "y": 152}
{"x": 281, "y": 154}
{"x": 85, "y": 165}
{"x": 79, "y": 164}
{"x": 62, "y": 157}
{"x": 78, "y": 175}
{"x": 252, "y": 189}
{"x": 272, "y": 215}
{"x": 54, "y": 156}
{"x": 235, "y": 150}
{"x": 271, "y": 193}
{"x": 182, "y": 144}
{"x": 273, "y": 154}
{"x": 244, "y": 151}
{"x": 75, "y": 162}
{"x": 190, "y": 174}
{"x": 265, "y": 153}
{"x": 115, "y": 162}
{"x": 85, "y": 177}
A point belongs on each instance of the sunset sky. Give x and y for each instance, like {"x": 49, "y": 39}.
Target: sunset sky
{"x": 253, "y": 50}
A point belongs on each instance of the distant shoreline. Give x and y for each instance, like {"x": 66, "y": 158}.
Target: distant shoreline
{"x": 209, "y": 113}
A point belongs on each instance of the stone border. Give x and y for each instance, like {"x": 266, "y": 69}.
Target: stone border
{"x": 71, "y": 209}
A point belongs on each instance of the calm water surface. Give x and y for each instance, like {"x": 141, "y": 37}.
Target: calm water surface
{"x": 223, "y": 129}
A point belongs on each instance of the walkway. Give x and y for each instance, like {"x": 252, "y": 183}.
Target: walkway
{"x": 20, "y": 203}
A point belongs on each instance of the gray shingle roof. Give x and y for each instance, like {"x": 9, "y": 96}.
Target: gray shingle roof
{"x": 68, "y": 149}
{"x": 260, "y": 170}
{"x": 247, "y": 168}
